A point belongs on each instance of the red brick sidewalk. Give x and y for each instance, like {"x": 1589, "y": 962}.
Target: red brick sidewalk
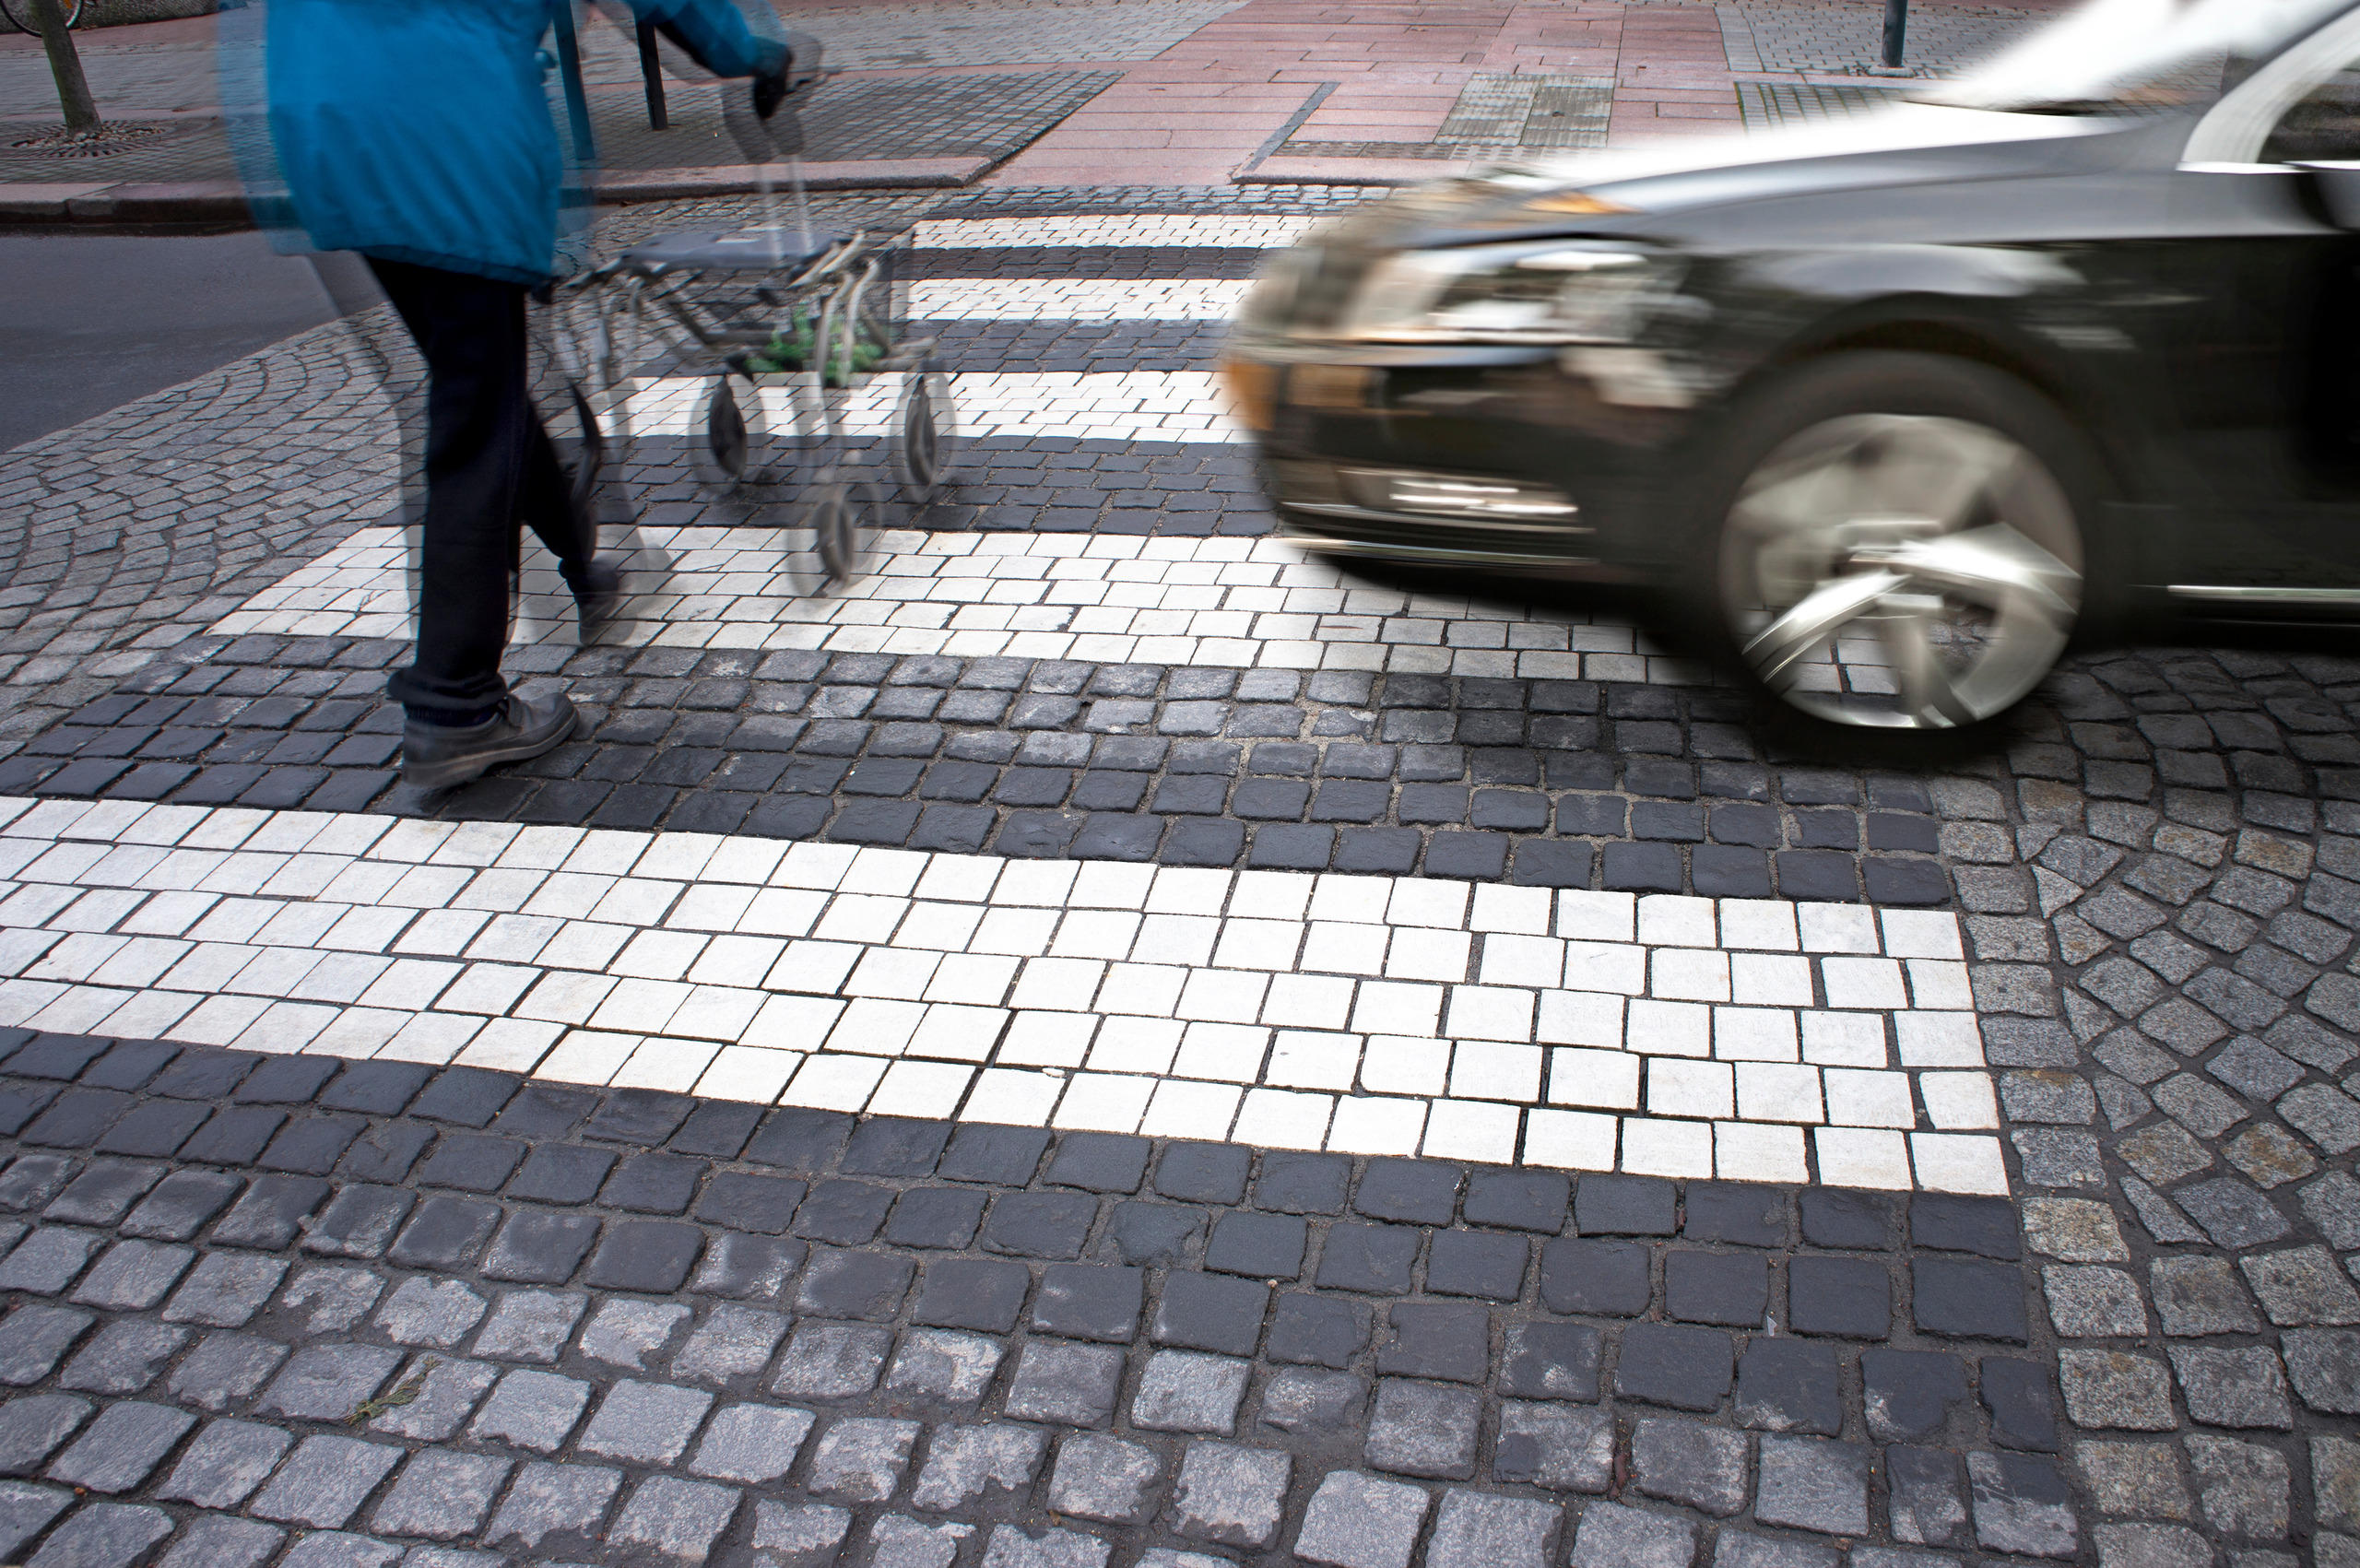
{"x": 1390, "y": 71}
{"x": 1197, "y": 113}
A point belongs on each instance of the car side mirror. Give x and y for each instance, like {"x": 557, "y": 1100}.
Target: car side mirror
{"x": 2338, "y": 184}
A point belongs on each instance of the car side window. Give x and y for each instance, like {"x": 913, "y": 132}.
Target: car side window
{"x": 2324, "y": 126}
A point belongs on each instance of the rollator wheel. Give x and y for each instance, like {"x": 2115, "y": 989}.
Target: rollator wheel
{"x": 843, "y": 521}
{"x": 725, "y": 431}
{"x": 589, "y": 458}
{"x": 925, "y": 435}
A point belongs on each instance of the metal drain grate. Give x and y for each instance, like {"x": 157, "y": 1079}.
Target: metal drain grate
{"x": 113, "y": 138}
{"x": 988, "y": 116}
{"x": 1768, "y": 105}
{"x": 1497, "y": 116}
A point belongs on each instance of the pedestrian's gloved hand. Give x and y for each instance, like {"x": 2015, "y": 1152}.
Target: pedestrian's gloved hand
{"x": 770, "y": 91}
{"x": 771, "y": 83}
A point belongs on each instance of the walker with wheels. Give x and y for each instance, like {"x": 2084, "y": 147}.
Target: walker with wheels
{"x": 784, "y": 337}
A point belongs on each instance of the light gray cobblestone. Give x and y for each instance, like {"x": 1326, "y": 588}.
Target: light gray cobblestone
{"x": 1182, "y": 1391}
{"x": 1106, "y": 1477}
{"x": 32, "y": 1426}
{"x": 219, "y": 1542}
{"x": 134, "y": 1276}
{"x": 1562, "y": 1447}
{"x": 963, "y": 1465}
{"x": 675, "y": 1519}
{"x": 430, "y": 1312}
{"x": 805, "y": 1536}
{"x": 1424, "y": 1429}
{"x": 1474, "y": 1530}
{"x": 1232, "y": 1495}
{"x": 322, "y": 1483}
{"x": 753, "y": 1445}
{"x": 1612, "y": 1535}
{"x": 26, "y": 1511}
{"x": 896, "y": 1541}
{"x": 861, "y": 1459}
{"x": 2243, "y": 1487}
{"x": 48, "y": 1260}
{"x": 118, "y": 1450}
{"x": 626, "y": 1333}
{"x": 104, "y": 1534}
{"x": 944, "y": 1367}
{"x": 225, "y": 1290}
{"x": 831, "y": 1360}
{"x": 327, "y": 1383}
{"x": 224, "y": 1370}
{"x": 531, "y": 1409}
{"x": 332, "y": 1298}
{"x": 440, "y": 1495}
{"x": 122, "y": 1358}
{"x": 1009, "y": 1547}
{"x": 1358, "y": 1521}
{"x": 530, "y": 1325}
{"x": 734, "y": 1342}
{"x": 559, "y": 1506}
{"x": 446, "y": 1392}
{"x": 224, "y": 1462}
{"x": 2324, "y": 1365}
{"x": 2241, "y": 1388}
{"x": 647, "y": 1423}
{"x": 1701, "y": 1467}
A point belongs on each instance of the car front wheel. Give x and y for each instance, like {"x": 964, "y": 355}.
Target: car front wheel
{"x": 1901, "y": 545}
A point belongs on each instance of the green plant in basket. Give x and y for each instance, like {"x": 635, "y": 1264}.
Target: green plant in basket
{"x": 791, "y": 350}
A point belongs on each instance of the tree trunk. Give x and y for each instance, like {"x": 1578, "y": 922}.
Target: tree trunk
{"x": 73, "y": 90}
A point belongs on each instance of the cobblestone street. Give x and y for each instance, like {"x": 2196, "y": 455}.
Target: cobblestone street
{"x": 1110, "y": 1041}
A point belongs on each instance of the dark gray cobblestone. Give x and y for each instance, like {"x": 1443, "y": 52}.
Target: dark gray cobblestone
{"x": 1565, "y": 784}
{"x": 2159, "y": 906}
{"x": 128, "y": 533}
{"x": 695, "y": 1404}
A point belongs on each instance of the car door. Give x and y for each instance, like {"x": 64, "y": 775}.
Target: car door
{"x": 2264, "y": 364}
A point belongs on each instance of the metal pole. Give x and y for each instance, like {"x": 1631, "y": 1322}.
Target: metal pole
{"x": 73, "y": 88}
{"x": 1896, "y": 25}
{"x": 650, "y": 71}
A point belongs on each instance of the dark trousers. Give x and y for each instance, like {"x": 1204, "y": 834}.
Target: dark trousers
{"x": 490, "y": 471}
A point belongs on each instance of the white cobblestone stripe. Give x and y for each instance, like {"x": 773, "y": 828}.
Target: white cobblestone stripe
{"x": 1258, "y": 230}
{"x": 1111, "y": 598}
{"x": 1754, "y": 1040}
{"x": 1077, "y": 298}
{"x": 1176, "y": 406}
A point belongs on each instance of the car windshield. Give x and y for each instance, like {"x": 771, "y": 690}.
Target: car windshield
{"x": 2136, "y": 56}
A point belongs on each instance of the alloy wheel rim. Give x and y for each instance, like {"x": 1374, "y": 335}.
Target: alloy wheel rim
{"x": 1901, "y": 571}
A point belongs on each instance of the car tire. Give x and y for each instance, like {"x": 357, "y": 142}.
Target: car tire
{"x": 1895, "y": 541}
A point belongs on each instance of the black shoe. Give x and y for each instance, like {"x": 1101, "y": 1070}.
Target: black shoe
{"x": 597, "y": 585}
{"x": 438, "y": 755}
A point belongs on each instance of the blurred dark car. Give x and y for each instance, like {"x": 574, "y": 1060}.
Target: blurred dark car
{"x": 1893, "y": 408}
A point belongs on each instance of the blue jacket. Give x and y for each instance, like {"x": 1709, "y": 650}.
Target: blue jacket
{"x": 420, "y": 130}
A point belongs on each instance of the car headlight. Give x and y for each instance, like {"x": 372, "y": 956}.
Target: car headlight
{"x": 1548, "y": 292}
{"x": 1271, "y": 302}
